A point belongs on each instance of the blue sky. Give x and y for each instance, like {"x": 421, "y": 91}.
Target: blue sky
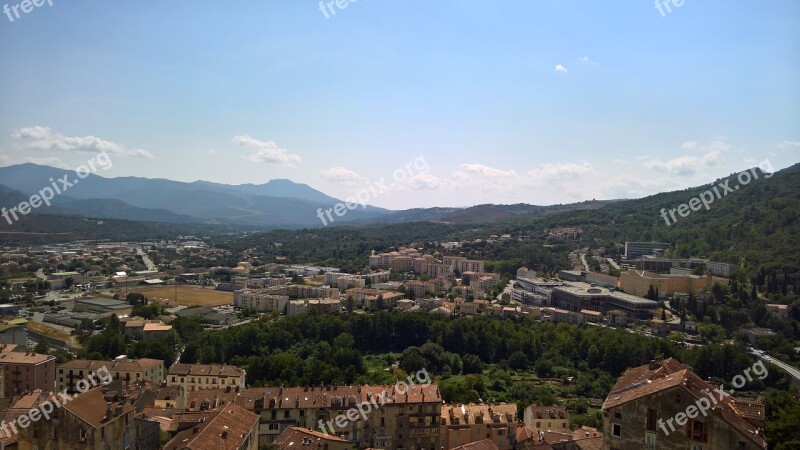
{"x": 523, "y": 101}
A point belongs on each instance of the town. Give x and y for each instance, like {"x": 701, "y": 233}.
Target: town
{"x": 154, "y": 295}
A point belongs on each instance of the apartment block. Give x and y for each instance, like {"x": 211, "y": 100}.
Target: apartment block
{"x": 547, "y": 418}
{"x": 205, "y": 376}
{"x": 436, "y": 270}
{"x": 398, "y": 418}
{"x": 260, "y": 300}
{"x": 127, "y": 370}
{"x": 27, "y": 371}
{"x": 463, "y": 424}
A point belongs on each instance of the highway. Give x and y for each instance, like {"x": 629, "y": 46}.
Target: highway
{"x": 793, "y": 372}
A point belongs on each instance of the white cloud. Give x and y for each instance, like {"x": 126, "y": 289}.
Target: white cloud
{"x": 560, "y": 68}
{"x": 268, "y": 152}
{"x": 487, "y": 171}
{"x": 43, "y": 138}
{"x": 711, "y": 155}
{"x": 562, "y": 169}
{"x": 587, "y": 60}
{"x": 424, "y": 181}
{"x": 341, "y": 175}
{"x": 788, "y": 144}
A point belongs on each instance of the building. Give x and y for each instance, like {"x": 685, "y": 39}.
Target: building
{"x": 205, "y": 376}
{"x": 779, "y": 310}
{"x": 578, "y": 296}
{"x": 651, "y": 407}
{"x": 436, "y": 270}
{"x": 14, "y": 331}
{"x": 102, "y": 305}
{"x": 127, "y": 370}
{"x": 639, "y": 283}
{"x": 754, "y": 334}
{"x": 304, "y": 438}
{"x": 634, "y": 250}
{"x": 259, "y": 299}
{"x": 547, "y": 418}
{"x": 319, "y": 305}
{"x": 464, "y": 424}
{"x": 229, "y": 427}
{"x": 88, "y": 421}
{"x": 27, "y": 371}
{"x": 398, "y": 417}
{"x": 485, "y": 444}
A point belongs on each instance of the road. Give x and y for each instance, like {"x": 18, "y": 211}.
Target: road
{"x": 793, "y": 372}
{"x": 507, "y": 290}
{"x": 146, "y": 259}
{"x": 585, "y": 264}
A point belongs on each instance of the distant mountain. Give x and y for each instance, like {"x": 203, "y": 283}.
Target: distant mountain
{"x": 275, "y": 203}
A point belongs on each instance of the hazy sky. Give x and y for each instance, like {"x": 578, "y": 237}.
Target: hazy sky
{"x": 506, "y": 101}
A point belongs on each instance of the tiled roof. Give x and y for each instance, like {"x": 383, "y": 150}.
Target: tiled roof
{"x": 229, "y": 428}
{"x": 472, "y": 414}
{"x": 309, "y": 397}
{"x": 131, "y": 365}
{"x": 91, "y": 407}
{"x": 548, "y": 412}
{"x": 24, "y": 358}
{"x": 296, "y": 437}
{"x": 206, "y": 370}
{"x": 485, "y": 444}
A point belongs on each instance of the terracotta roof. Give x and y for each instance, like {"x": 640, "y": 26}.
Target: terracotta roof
{"x": 24, "y": 358}
{"x": 229, "y": 428}
{"x": 91, "y": 407}
{"x": 206, "y": 370}
{"x": 485, "y": 444}
{"x": 296, "y": 437}
{"x": 472, "y": 414}
{"x": 548, "y": 412}
{"x": 309, "y": 397}
{"x": 130, "y": 365}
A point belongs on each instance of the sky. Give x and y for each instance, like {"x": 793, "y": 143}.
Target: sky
{"x": 442, "y": 103}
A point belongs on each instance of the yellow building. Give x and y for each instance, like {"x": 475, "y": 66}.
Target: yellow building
{"x": 462, "y": 424}
{"x": 638, "y": 283}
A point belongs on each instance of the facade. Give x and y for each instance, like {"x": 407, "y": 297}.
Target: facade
{"x": 464, "y": 424}
{"x": 205, "y": 376}
{"x": 127, "y": 370}
{"x": 397, "y": 418}
{"x": 634, "y": 250}
{"x": 578, "y": 296}
{"x": 547, "y": 418}
{"x": 638, "y": 283}
{"x": 651, "y": 407}
{"x": 27, "y": 371}
{"x": 260, "y": 300}
{"x": 88, "y": 421}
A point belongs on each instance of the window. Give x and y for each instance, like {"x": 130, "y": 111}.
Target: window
{"x": 741, "y": 444}
{"x": 616, "y": 430}
{"x": 650, "y": 441}
{"x": 696, "y": 431}
{"x": 286, "y": 414}
{"x": 652, "y": 417}
{"x": 678, "y": 398}
{"x": 617, "y": 415}
{"x": 538, "y": 424}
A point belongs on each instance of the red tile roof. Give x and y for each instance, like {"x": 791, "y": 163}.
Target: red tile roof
{"x": 296, "y": 437}
{"x": 229, "y": 427}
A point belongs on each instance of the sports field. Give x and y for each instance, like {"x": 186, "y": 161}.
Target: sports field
{"x": 188, "y": 295}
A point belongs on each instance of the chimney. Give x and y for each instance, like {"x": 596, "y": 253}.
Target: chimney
{"x": 654, "y": 364}
{"x": 225, "y": 432}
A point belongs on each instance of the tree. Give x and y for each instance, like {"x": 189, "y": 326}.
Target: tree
{"x": 42, "y": 346}
{"x": 350, "y": 303}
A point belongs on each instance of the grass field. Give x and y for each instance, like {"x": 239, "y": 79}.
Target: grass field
{"x": 188, "y": 296}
